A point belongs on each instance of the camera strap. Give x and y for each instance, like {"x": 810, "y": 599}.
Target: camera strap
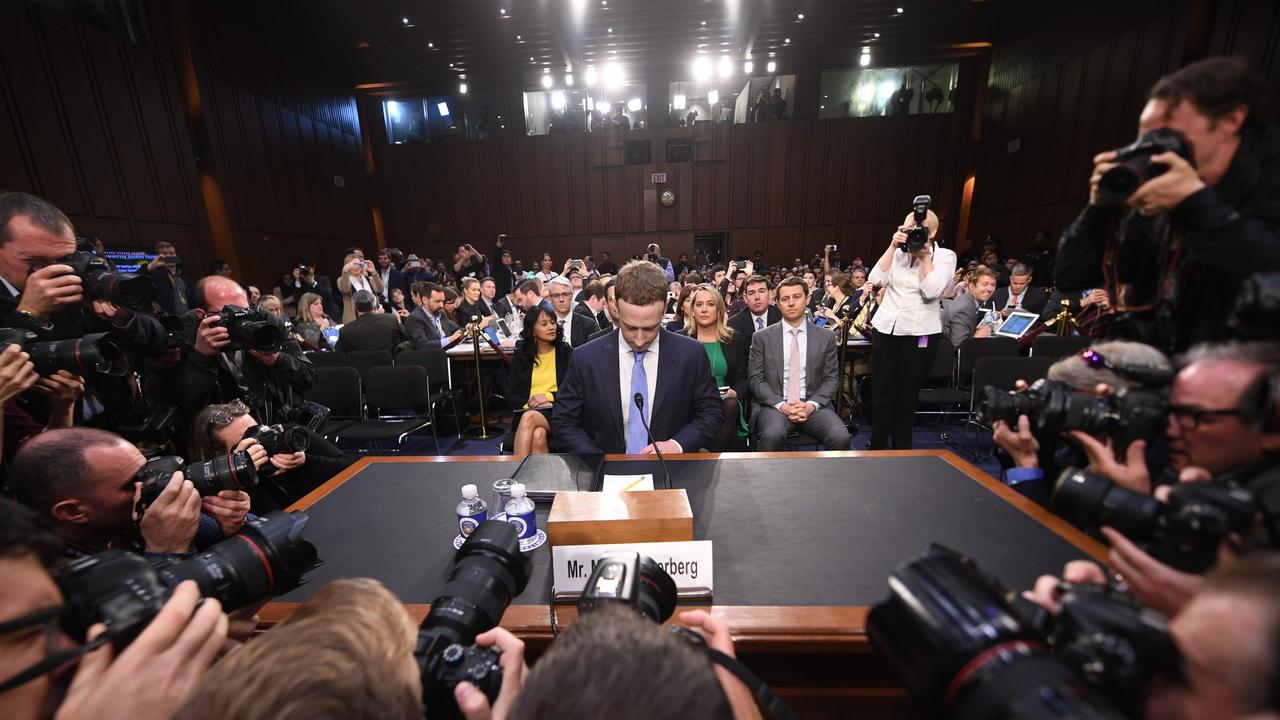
{"x": 764, "y": 697}
{"x": 52, "y": 662}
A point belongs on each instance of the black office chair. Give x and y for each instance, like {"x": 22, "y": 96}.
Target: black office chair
{"x": 1057, "y": 347}
{"x": 338, "y": 389}
{"x": 399, "y": 405}
{"x": 974, "y": 349}
{"x": 943, "y": 376}
{"x": 366, "y": 360}
{"x": 327, "y": 359}
{"x": 436, "y": 363}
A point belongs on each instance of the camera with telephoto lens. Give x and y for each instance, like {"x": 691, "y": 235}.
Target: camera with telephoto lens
{"x": 971, "y": 649}
{"x": 1134, "y": 166}
{"x": 1256, "y": 314}
{"x": 488, "y": 572}
{"x": 1054, "y": 408}
{"x": 1184, "y": 532}
{"x": 918, "y": 236}
{"x": 277, "y": 439}
{"x": 101, "y": 282}
{"x": 252, "y": 329}
{"x": 93, "y": 354}
{"x": 228, "y": 472}
{"x": 124, "y": 590}
{"x": 629, "y": 578}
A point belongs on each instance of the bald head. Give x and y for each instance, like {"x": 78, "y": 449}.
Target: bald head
{"x": 60, "y": 465}
{"x": 215, "y": 292}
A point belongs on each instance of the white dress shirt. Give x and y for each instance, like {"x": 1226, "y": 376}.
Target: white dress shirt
{"x": 761, "y": 321}
{"x": 786, "y": 362}
{"x": 385, "y": 274}
{"x": 626, "y": 363}
{"x": 566, "y": 323}
{"x": 910, "y": 305}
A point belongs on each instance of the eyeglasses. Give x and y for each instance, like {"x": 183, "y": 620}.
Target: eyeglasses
{"x": 224, "y": 414}
{"x": 49, "y": 620}
{"x": 560, "y": 296}
{"x": 1190, "y": 417}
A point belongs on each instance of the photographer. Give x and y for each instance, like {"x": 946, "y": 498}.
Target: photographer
{"x": 907, "y": 327}
{"x": 174, "y": 290}
{"x": 1181, "y": 244}
{"x": 357, "y": 274}
{"x": 306, "y": 280}
{"x": 468, "y": 263}
{"x": 653, "y": 254}
{"x": 149, "y": 679}
{"x": 211, "y": 372}
{"x": 504, "y": 275}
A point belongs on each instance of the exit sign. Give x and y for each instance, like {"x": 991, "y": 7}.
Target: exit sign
{"x": 657, "y": 178}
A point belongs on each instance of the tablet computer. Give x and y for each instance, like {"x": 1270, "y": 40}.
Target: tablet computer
{"x": 1017, "y": 324}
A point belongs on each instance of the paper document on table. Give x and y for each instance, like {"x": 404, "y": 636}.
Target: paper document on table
{"x": 624, "y": 483}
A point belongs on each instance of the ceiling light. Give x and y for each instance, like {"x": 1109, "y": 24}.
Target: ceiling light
{"x": 866, "y": 50}
{"x": 604, "y": 3}
{"x": 725, "y": 66}
{"x": 603, "y": 107}
{"x": 747, "y": 67}
{"x": 531, "y": 59}
{"x": 393, "y": 109}
{"x": 462, "y": 89}
{"x": 702, "y": 69}
{"x": 590, "y": 76}
{"x": 771, "y": 67}
{"x": 876, "y": 35}
{"x": 612, "y": 75}
{"x": 443, "y": 107}
{"x": 405, "y": 20}
{"x": 899, "y": 11}
{"x": 431, "y": 44}
{"x": 451, "y": 64}
{"x": 678, "y": 102}
{"x": 557, "y": 100}
{"x": 613, "y": 52}
{"x": 865, "y": 60}
{"x": 520, "y": 38}
{"x": 591, "y": 104}
{"x": 610, "y": 31}
{"x": 885, "y": 91}
{"x": 786, "y": 41}
{"x": 547, "y": 82}
{"x": 866, "y": 93}
{"x": 635, "y": 105}
{"x": 502, "y": 11}
{"x": 704, "y": 23}
{"x": 713, "y": 97}
{"x": 799, "y": 16}
{"x": 568, "y": 80}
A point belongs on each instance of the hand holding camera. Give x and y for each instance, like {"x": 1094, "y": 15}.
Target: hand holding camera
{"x": 473, "y": 703}
{"x": 50, "y": 289}
{"x": 229, "y": 508}
{"x": 17, "y": 373}
{"x": 171, "y": 520}
{"x": 212, "y": 337}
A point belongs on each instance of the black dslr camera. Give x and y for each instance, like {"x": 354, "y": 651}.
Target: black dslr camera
{"x": 276, "y": 439}
{"x": 918, "y": 236}
{"x": 970, "y": 648}
{"x": 1135, "y": 167}
{"x": 92, "y": 354}
{"x": 229, "y": 472}
{"x": 1256, "y": 315}
{"x": 102, "y": 282}
{"x": 1054, "y": 408}
{"x": 124, "y": 591}
{"x": 488, "y": 572}
{"x": 629, "y": 578}
{"x": 1184, "y": 532}
{"x": 252, "y": 329}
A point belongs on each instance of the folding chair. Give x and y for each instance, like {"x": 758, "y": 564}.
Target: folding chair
{"x": 399, "y": 405}
{"x": 366, "y": 360}
{"x": 327, "y": 359}
{"x": 1001, "y": 373}
{"x": 338, "y": 389}
{"x": 436, "y": 363}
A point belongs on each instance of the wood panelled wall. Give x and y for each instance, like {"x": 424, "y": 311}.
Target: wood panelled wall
{"x": 92, "y": 124}
{"x": 1251, "y": 29}
{"x": 787, "y": 188}
{"x": 1065, "y": 91}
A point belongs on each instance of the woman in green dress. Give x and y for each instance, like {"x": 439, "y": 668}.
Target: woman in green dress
{"x": 728, "y": 352}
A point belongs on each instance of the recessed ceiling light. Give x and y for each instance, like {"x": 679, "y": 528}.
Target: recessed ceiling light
{"x": 786, "y": 41}
{"x": 747, "y": 67}
{"x": 610, "y": 30}
{"x": 431, "y": 44}
{"x": 462, "y": 89}
{"x": 547, "y": 82}
{"x": 771, "y": 67}
{"x": 702, "y": 45}
{"x": 613, "y": 52}
{"x": 568, "y": 80}
{"x": 546, "y": 71}
{"x": 865, "y": 60}
{"x": 604, "y": 3}
{"x": 799, "y": 16}
{"x": 531, "y": 59}
{"x": 704, "y": 23}
{"x": 520, "y": 38}
{"x": 502, "y": 11}
{"x": 404, "y": 20}
{"x": 451, "y": 64}
{"x": 899, "y": 11}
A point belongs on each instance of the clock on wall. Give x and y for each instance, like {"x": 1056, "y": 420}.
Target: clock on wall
{"x": 667, "y": 198}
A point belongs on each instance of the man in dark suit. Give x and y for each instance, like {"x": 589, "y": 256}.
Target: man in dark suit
{"x": 370, "y": 330}
{"x": 174, "y": 290}
{"x": 963, "y": 316}
{"x": 794, "y": 374}
{"x": 1020, "y": 294}
{"x": 577, "y": 327}
{"x": 595, "y": 410}
{"x": 610, "y": 310}
{"x": 489, "y": 300}
{"x": 758, "y": 314}
{"x": 592, "y": 304}
{"x": 428, "y": 326}
{"x": 391, "y": 277}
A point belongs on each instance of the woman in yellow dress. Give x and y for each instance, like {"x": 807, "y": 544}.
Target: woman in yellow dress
{"x": 537, "y": 368}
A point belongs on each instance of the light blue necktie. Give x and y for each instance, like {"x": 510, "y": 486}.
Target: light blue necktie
{"x": 759, "y": 323}
{"x": 637, "y": 437}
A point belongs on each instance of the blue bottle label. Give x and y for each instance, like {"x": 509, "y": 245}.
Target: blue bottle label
{"x": 526, "y": 524}
{"x": 468, "y": 523}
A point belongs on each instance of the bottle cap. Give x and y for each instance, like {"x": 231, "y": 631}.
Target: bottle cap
{"x": 517, "y": 490}
{"x": 469, "y": 491}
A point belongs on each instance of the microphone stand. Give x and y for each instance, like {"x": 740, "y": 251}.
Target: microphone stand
{"x": 484, "y": 431}
{"x": 639, "y": 400}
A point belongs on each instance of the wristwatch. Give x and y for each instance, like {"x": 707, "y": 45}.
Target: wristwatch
{"x": 31, "y": 318}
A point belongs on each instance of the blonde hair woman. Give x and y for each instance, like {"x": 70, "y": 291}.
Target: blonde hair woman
{"x": 728, "y": 352}
{"x": 357, "y": 274}
{"x": 310, "y": 322}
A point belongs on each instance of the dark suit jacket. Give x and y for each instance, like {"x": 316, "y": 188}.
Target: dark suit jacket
{"x": 371, "y": 331}
{"x": 744, "y": 323}
{"x": 959, "y": 319}
{"x": 1034, "y": 302}
{"x": 736, "y": 355}
{"x": 520, "y": 375}
{"x": 422, "y": 332}
{"x": 686, "y": 406}
{"x": 583, "y": 327}
{"x": 467, "y": 310}
{"x": 821, "y": 366}
{"x": 166, "y": 290}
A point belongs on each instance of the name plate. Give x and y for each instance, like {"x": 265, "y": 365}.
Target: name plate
{"x": 688, "y": 563}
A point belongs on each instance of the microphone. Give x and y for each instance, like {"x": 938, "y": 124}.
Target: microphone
{"x": 639, "y": 400}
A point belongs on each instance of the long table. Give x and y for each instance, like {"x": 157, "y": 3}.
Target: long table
{"x": 804, "y": 543}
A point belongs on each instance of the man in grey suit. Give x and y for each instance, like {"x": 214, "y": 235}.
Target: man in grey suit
{"x": 428, "y": 326}
{"x": 793, "y": 373}
{"x": 964, "y": 316}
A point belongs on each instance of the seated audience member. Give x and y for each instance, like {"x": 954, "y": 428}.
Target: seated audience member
{"x": 537, "y": 369}
{"x": 271, "y": 304}
{"x": 670, "y": 372}
{"x": 472, "y": 303}
{"x": 452, "y": 299}
{"x": 284, "y": 478}
{"x": 148, "y": 679}
{"x": 1020, "y": 294}
{"x": 758, "y": 314}
{"x": 681, "y": 306}
{"x": 371, "y": 330}
{"x": 268, "y": 382}
{"x": 577, "y": 327}
{"x": 728, "y": 352}
{"x": 310, "y": 322}
{"x": 843, "y": 304}
{"x": 528, "y": 294}
{"x": 84, "y": 482}
{"x": 592, "y": 305}
{"x": 490, "y": 303}
{"x": 305, "y": 279}
{"x": 347, "y": 652}
{"x": 793, "y": 371}
{"x": 397, "y": 303}
{"x": 357, "y": 274}
{"x": 427, "y": 325}
{"x": 969, "y": 313}
{"x": 610, "y": 313}
{"x": 545, "y": 270}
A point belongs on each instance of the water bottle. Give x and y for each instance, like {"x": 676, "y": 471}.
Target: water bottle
{"x": 520, "y": 512}
{"x": 501, "y": 494}
{"x": 471, "y": 511}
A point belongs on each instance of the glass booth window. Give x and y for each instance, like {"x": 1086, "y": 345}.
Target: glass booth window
{"x": 547, "y": 112}
{"x": 888, "y": 91}
{"x": 436, "y": 119}
{"x": 738, "y": 99}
